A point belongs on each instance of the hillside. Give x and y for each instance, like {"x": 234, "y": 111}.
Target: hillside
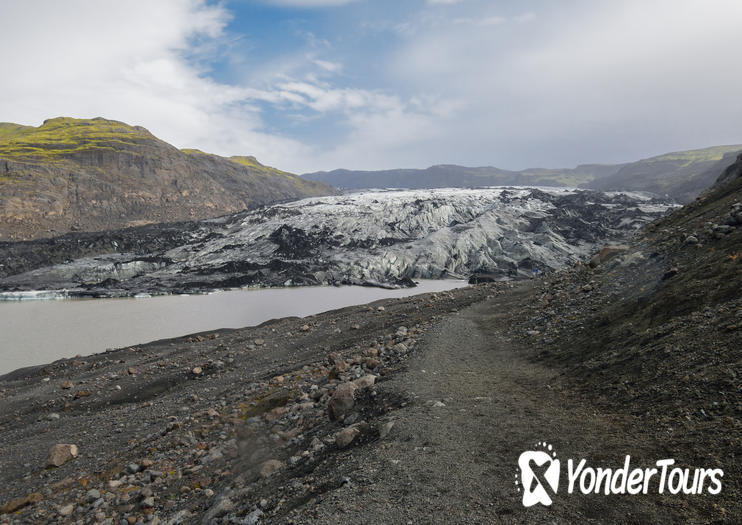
{"x": 681, "y": 175}
{"x": 97, "y": 174}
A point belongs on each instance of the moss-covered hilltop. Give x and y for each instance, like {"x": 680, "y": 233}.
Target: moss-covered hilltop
{"x": 97, "y": 174}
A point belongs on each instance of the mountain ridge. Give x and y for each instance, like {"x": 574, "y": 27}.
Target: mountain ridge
{"x": 98, "y": 174}
{"x": 680, "y": 174}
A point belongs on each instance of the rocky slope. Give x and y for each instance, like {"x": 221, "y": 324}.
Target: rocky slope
{"x": 79, "y": 174}
{"x": 681, "y": 175}
{"x": 383, "y": 238}
{"x": 657, "y": 330}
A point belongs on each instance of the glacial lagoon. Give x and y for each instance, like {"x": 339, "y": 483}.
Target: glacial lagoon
{"x": 34, "y": 332}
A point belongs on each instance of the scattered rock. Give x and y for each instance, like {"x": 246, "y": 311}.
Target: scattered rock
{"x": 365, "y": 381}
{"x": 253, "y": 518}
{"x": 60, "y": 454}
{"x": 270, "y": 467}
{"x": 385, "y": 429}
{"x": 221, "y": 506}
{"x": 66, "y": 385}
{"x": 197, "y": 371}
{"x": 342, "y": 400}
{"x": 92, "y": 495}
{"x": 346, "y": 436}
{"x": 19, "y": 503}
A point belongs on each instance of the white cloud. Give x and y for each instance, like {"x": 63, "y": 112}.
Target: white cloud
{"x": 310, "y": 3}
{"x": 591, "y": 81}
{"x": 125, "y": 61}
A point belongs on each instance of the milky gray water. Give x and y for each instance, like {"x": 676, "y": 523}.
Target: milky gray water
{"x": 38, "y": 332}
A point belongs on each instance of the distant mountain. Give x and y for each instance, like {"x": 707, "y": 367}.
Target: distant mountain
{"x": 681, "y": 175}
{"x": 451, "y": 175}
{"x": 97, "y": 174}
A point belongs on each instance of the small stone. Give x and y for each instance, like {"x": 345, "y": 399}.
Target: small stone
{"x": 259, "y": 342}
{"x": 197, "y": 371}
{"x": 380, "y": 309}
{"x": 270, "y": 467}
{"x": 365, "y": 381}
{"x": 385, "y": 429}
{"x": 691, "y": 239}
{"x": 305, "y": 328}
{"x": 66, "y": 510}
{"x": 342, "y": 400}
{"x": 274, "y": 414}
{"x": 372, "y": 363}
{"x": 133, "y": 468}
{"x": 346, "y": 436}
{"x": 67, "y": 385}
{"x": 92, "y": 495}
{"x": 132, "y": 371}
{"x": 337, "y": 369}
{"x": 253, "y": 518}
{"x": 60, "y": 454}
{"x": 148, "y": 502}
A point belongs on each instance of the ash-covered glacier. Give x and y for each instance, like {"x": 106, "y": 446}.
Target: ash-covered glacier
{"x": 384, "y": 238}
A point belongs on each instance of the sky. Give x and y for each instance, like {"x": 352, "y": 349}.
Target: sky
{"x": 310, "y": 85}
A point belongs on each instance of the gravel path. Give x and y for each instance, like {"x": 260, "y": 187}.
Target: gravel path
{"x": 457, "y": 463}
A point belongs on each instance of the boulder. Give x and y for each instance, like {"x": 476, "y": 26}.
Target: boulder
{"x": 60, "y": 454}
{"x": 346, "y": 436}
{"x": 342, "y": 400}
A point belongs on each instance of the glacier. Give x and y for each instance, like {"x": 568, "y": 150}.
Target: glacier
{"x": 378, "y": 238}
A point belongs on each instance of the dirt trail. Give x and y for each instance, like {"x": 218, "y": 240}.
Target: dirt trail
{"x": 457, "y": 463}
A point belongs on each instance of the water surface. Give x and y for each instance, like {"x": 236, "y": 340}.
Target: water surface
{"x": 38, "y": 332}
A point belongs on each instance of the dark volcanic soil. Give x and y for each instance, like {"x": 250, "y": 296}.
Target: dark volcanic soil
{"x": 436, "y": 439}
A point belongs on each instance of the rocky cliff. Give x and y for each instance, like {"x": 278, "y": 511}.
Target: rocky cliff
{"x": 72, "y": 174}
